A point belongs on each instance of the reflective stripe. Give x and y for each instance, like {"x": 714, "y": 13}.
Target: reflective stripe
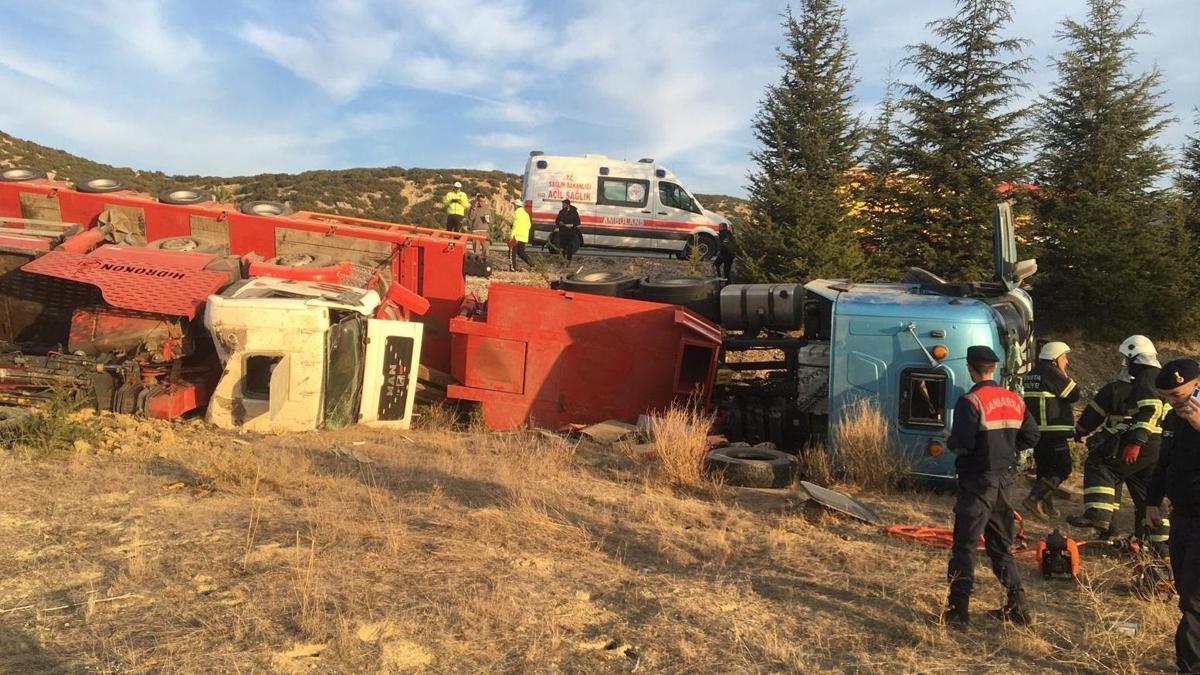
{"x": 1166, "y": 523}
{"x": 1041, "y": 394}
{"x": 1100, "y": 490}
{"x": 1057, "y": 427}
{"x": 1100, "y": 506}
{"x": 1158, "y": 537}
{"x": 1001, "y": 424}
{"x": 1068, "y": 389}
{"x": 1096, "y": 406}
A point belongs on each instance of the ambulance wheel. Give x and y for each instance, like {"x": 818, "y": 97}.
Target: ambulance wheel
{"x": 184, "y": 197}
{"x": 612, "y": 284}
{"x": 99, "y": 185}
{"x": 752, "y": 467}
{"x": 706, "y": 244}
{"x": 302, "y": 260}
{"x": 18, "y": 174}
{"x": 261, "y": 208}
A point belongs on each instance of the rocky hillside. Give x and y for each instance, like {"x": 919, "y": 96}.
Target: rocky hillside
{"x": 388, "y": 193}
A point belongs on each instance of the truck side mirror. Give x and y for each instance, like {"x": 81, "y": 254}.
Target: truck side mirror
{"x": 1023, "y": 270}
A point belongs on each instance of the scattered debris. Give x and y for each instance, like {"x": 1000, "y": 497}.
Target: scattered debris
{"x": 1129, "y": 628}
{"x": 832, "y": 499}
{"x": 609, "y": 432}
{"x": 350, "y": 454}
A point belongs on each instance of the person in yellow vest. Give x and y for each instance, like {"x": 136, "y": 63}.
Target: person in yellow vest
{"x": 519, "y": 236}
{"x": 456, "y": 203}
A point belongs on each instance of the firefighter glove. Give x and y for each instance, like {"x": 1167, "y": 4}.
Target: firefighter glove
{"x": 1129, "y": 453}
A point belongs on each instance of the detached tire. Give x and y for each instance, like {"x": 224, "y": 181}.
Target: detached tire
{"x": 612, "y": 284}
{"x": 679, "y": 290}
{"x": 752, "y": 467}
{"x": 18, "y": 174}
{"x": 261, "y": 208}
{"x": 99, "y": 185}
{"x": 302, "y": 260}
{"x": 184, "y": 197}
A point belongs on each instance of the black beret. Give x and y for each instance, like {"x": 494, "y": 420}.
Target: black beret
{"x": 982, "y": 354}
{"x": 1177, "y": 372}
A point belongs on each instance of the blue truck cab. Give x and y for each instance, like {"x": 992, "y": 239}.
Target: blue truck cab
{"x": 902, "y": 346}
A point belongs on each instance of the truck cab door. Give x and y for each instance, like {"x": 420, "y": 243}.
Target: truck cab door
{"x": 1004, "y": 249}
{"x": 390, "y": 367}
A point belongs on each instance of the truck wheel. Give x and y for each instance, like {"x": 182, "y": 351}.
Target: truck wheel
{"x": 261, "y": 208}
{"x": 302, "y": 260}
{"x": 99, "y": 185}
{"x": 186, "y": 245}
{"x": 476, "y": 265}
{"x": 752, "y": 466}
{"x": 18, "y": 174}
{"x": 678, "y": 290}
{"x": 184, "y": 197}
{"x": 705, "y": 243}
{"x": 612, "y": 284}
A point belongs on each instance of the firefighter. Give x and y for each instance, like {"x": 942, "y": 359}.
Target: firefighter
{"x": 1127, "y": 455}
{"x": 456, "y": 204}
{"x": 990, "y": 423}
{"x": 519, "y": 236}
{"x": 1177, "y": 477}
{"x": 1049, "y": 394}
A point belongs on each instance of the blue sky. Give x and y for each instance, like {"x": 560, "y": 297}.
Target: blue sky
{"x": 230, "y": 88}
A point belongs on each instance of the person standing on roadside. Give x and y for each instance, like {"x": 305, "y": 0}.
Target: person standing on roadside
{"x": 479, "y": 216}
{"x": 566, "y": 229}
{"x": 990, "y": 423}
{"x": 456, "y": 204}
{"x": 726, "y": 252}
{"x": 1177, "y": 477}
{"x": 519, "y": 236}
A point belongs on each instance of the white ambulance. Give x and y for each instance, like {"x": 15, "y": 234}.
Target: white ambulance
{"x": 622, "y": 205}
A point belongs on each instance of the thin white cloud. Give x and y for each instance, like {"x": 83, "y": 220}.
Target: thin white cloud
{"x": 342, "y": 52}
{"x": 504, "y": 141}
{"x": 489, "y": 29}
{"x": 141, "y": 30}
{"x": 34, "y": 67}
{"x": 523, "y": 113}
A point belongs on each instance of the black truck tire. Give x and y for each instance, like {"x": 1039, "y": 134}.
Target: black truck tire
{"x": 264, "y": 208}
{"x": 752, "y": 466}
{"x": 184, "y": 196}
{"x": 20, "y": 173}
{"x": 612, "y": 284}
{"x": 99, "y": 185}
{"x": 302, "y": 260}
{"x": 678, "y": 290}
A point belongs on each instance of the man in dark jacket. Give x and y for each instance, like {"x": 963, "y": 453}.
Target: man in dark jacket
{"x": 726, "y": 252}
{"x": 1131, "y": 459}
{"x": 1049, "y": 394}
{"x": 990, "y": 424}
{"x": 1177, "y": 477}
{"x": 566, "y": 233}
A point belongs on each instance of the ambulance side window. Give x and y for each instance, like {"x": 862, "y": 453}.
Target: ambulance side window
{"x": 670, "y": 194}
{"x": 623, "y": 192}
{"x": 923, "y": 398}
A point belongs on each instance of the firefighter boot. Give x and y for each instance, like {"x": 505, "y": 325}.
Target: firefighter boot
{"x": 1091, "y": 518}
{"x": 1037, "y": 500}
{"x": 1015, "y": 609}
{"x": 957, "y": 614}
{"x": 1048, "y": 498}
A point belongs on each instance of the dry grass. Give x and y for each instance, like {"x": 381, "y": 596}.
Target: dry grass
{"x": 864, "y": 450}
{"x": 445, "y": 551}
{"x": 680, "y": 442}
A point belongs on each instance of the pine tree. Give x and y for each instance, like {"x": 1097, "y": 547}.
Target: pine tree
{"x": 880, "y": 188}
{"x": 962, "y": 136}
{"x": 1116, "y": 252}
{"x": 800, "y": 193}
{"x": 1187, "y": 181}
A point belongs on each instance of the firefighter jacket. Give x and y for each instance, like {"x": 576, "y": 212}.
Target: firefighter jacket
{"x": 1107, "y": 410}
{"x": 990, "y": 424}
{"x": 455, "y": 202}
{"x": 1146, "y": 410}
{"x": 1177, "y": 474}
{"x": 1049, "y": 393}
{"x": 521, "y": 225}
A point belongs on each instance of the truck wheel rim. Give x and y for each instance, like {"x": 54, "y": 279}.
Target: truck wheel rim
{"x": 18, "y": 174}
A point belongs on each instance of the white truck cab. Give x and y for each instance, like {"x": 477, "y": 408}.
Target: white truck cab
{"x": 302, "y": 355}
{"x": 622, "y": 205}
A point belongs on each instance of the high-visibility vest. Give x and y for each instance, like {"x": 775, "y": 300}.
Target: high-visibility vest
{"x": 521, "y": 225}
{"x": 455, "y": 202}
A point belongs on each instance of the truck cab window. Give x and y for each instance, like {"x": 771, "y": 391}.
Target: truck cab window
{"x": 623, "y": 192}
{"x": 674, "y": 196}
{"x": 257, "y": 384}
{"x": 923, "y": 398}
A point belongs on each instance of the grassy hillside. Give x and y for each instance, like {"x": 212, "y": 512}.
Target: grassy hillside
{"x": 389, "y": 193}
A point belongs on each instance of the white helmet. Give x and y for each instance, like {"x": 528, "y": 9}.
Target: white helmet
{"x": 457, "y": 184}
{"x": 1053, "y": 350}
{"x": 1136, "y": 345}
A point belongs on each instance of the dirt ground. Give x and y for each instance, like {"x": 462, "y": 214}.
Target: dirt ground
{"x": 177, "y": 548}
